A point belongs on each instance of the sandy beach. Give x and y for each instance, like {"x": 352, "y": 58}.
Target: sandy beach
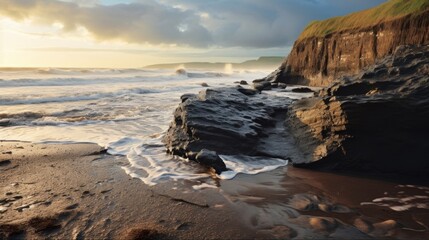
{"x": 76, "y": 191}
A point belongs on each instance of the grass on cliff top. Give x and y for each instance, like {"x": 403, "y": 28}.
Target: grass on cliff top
{"x": 387, "y": 11}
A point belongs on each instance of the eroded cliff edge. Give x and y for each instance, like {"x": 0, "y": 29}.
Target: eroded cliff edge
{"x": 333, "y": 48}
{"x": 376, "y": 120}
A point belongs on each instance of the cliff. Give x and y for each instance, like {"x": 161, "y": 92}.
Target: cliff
{"x": 373, "y": 121}
{"x": 342, "y": 46}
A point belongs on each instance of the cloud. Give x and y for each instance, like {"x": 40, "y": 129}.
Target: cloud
{"x": 268, "y": 23}
{"x": 148, "y": 22}
{"x": 195, "y": 23}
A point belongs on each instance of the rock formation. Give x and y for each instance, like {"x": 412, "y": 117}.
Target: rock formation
{"x": 342, "y": 46}
{"x": 223, "y": 121}
{"x": 371, "y": 120}
{"x": 376, "y": 120}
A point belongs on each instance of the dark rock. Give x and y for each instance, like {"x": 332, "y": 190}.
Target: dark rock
{"x": 204, "y": 85}
{"x": 260, "y": 86}
{"x": 372, "y": 121}
{"x": 302, "y": 90}
{"x": 259, "y": 80}
{"x": 5, "y": 163}
{"x": 185, "y": 97}
{"x": 223, "y": 120}
{"x": 211, "y": 159}
{"x": 243, "y": 82}
{"x": 247, "y": 91}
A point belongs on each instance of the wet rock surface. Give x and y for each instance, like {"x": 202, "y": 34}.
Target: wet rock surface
{"x": 302, "y": 90}
{"x": 225, "y": 120}
{"x": 211, "y": 159}
{"x": 376, "y": 120}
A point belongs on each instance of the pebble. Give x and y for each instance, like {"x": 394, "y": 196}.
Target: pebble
{"x": 363, "y": 225}
{"x": 323, "y": 223}
{"x": 386, "y": 225}
{"x": 3, "y": 209}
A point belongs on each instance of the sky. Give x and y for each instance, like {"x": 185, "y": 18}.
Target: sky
{"x": 135, "y": 33}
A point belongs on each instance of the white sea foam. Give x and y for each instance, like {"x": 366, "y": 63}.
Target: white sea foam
{"x": 249, "y": 165}
{"x": 402, "y": 202}
{"x": 125, "y": 110}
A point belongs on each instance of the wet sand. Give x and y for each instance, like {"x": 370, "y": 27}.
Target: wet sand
{"x": 76, "y": 191}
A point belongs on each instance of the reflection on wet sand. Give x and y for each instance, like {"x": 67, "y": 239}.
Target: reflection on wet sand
{"x": 293, "y": 202}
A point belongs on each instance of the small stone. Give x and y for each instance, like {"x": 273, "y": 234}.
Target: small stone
{"x": 386, "y": 225}
{"x": 262, "y": 86}
{"x": 3, "y": 209}
{"x": 302, "y": 90}
{"x": 248, "y": 92}
{"x": 363, "y": 225}
{"x": 323, "y": 223}
{"x": 211, "y": 159}
{"x": 204, "y": 85}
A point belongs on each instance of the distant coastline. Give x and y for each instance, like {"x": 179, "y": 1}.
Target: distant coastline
{"x": 265, "y": 62}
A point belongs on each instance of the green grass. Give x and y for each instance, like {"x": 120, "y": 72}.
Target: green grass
{"x": 387, "y": 11}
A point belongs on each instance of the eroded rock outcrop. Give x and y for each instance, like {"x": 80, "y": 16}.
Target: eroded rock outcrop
{"x": 319, "y": 60}
{"x": 223, "y": 121}
{"x": 376, "y": 120}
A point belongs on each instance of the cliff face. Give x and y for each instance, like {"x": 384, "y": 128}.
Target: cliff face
{"x": 376, "y": 120}
{"x": 317, "y": 61}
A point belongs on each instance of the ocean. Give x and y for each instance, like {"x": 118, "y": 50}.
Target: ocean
{"x": 126, "y": 111}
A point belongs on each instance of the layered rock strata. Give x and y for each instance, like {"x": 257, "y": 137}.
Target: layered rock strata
{"x": 319, "y": 60}
{"x": 376, "y": 120}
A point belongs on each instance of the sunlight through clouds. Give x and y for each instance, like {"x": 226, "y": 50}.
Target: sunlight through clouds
{"x": 219, "y": 30}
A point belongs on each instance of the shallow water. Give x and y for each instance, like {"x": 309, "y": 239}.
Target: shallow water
{"x": 125, "y": 110}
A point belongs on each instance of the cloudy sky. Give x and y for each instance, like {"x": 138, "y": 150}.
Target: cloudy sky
{"x": 134, "y": 33}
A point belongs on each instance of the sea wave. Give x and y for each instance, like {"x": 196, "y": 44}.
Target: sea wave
{"x": 184, "y": 72}
{"x": 73, "y": 97}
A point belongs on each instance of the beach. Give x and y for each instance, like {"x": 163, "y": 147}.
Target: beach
{"x": 77, "y": 191}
